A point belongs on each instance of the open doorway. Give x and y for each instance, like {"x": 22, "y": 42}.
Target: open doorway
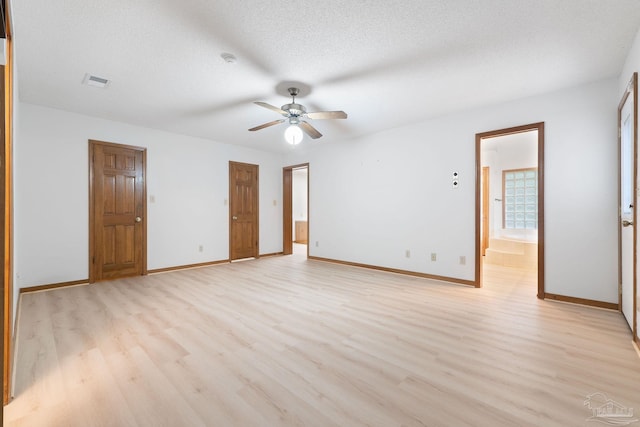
{"x": 300, "y": 216}
{"x": 509, "y": 203}
{"x": 295, "y": 209}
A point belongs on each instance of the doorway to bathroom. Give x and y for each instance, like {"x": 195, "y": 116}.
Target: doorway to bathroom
{"x": 510, "y": 211}
{"x": 296, "y": 209}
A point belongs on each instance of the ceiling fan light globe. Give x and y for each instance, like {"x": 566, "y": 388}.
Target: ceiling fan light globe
{"x": 293, "y": 135}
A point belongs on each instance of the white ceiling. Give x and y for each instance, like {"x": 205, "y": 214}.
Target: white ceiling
{"x": 385, "y": 62}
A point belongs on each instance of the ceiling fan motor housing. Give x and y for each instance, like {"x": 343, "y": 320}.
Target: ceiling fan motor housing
{"x": 294, "y": 109}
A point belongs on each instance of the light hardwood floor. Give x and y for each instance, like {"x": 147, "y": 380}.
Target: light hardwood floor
{"x": 283, "y": 341}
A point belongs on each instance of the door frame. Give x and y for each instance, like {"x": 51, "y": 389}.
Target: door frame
{"x": 287, "y": 208}
{"x": 503, "y": 132}
{"x": 6, "y": 211}
{"x": 92, "y": 230}
{"x": 630, "y": 90}
{"x": 485, "y": 210}
{"x": 257, "y": 250}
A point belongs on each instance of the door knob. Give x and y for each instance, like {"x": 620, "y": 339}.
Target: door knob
{"x": 138, "y": 219}
{"x": 234, "y": 217}
{"x": 626, "y": 223}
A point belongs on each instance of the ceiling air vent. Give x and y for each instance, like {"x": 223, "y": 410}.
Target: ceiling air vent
{"x": 95, "y": 81}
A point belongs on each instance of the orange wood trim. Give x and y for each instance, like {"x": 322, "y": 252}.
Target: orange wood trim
{"x": 484, "y": 218}
{"x": 308, "y": 212}
{"x": 582, "y": 301}
{"x": 154, "y": 271}
{"x": 625, "y": 96}
{"x": 204, "y": 264}
{"x": 230, "y": 194}
{"x": 53, "y": 286}
{"x": 144, "y": 211}
{"x": 298, "y": 166}
{"x": 7, "y": 280}
{"x": 478, "y": 215}
{"x": 510, "y": 131}
{"x": 257, "y": 211}
{"x": 634, "y": 80}
{"x": 541, "y": 242}
{"x": 92, "y": 215}
{"x": 287, "y": 208}
{"x": 271, "y": 254}
{"x": 187, "y": 266}
{"x": 397, "y": 271}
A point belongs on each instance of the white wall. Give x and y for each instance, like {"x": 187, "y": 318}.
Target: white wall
{"x": 187, "y": 177}
{"x": 373, "y": 198}
{"x": 631, "y": 65}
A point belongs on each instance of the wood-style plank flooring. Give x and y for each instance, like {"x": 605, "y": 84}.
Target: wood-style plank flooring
{"x": 284, "y": 341}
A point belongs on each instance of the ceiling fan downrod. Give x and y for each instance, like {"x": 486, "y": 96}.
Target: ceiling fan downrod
{"x": 293, "y": 91}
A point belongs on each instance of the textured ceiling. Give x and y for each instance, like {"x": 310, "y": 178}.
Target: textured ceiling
{"x": 386, "y": 63}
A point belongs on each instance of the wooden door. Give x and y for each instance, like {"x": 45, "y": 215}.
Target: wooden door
{"x": 117, "y": 211}
{"x": 243, "y": 211}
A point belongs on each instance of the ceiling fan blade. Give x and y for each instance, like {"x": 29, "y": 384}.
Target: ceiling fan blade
{"x": 266, "y": 125}
{"x": 310, "y": 130}
{"x": 271, "y": 107}
{"x": 321, "y": 115}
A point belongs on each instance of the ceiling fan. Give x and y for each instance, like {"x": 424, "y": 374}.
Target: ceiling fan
{"x": 296, "y": 112}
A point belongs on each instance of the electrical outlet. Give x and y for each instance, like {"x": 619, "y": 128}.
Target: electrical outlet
{"x": 200, "y": 248}
{"x": 317, "y": 243}
{"x": 463, "y": 260}
{"x": 433, "y": 256}
{"x": 407, "y": 253}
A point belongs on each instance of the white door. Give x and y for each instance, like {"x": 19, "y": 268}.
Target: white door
{"x": 627, "y": 211}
